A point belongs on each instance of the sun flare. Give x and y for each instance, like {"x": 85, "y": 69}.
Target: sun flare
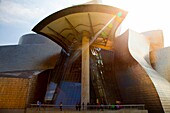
{"x": 145, "y": 15}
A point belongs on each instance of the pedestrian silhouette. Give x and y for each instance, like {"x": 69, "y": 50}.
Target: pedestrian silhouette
{"x": 61, "y": 105}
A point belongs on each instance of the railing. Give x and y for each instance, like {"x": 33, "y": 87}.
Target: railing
{"x": 87, "y": 107}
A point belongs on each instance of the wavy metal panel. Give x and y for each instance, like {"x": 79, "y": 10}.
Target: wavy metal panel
{"x": 160, "y": 61}
{"x": 139, "y": 43}
{"x": 134, "y": 83}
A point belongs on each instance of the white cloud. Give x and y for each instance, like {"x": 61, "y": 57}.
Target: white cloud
{"x": 18, "y": 17}
{"x": 143, "y": 14}
{"x": 14, "y": 13}
{"x": 29, "y": 11}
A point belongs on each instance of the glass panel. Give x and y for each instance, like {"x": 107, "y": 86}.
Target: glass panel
{"x": 69, "y": 93}
{"x": 50, "y": 91}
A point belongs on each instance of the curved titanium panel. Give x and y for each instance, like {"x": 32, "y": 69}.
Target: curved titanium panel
{"x": 65, "y": 27}
{"x": 35, "y": 39}
{"x": 40, "y": 55}
{"x": 160, "y": 61}
{"x": 155, "y": 38}
{"x": 78, "y": 9}
{"x": 138, "y": 46}
{"x": 134, "y": 84}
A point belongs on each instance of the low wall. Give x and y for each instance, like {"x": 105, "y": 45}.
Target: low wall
{"x": 30, "y": 110}
{"x": 12, "y": 111}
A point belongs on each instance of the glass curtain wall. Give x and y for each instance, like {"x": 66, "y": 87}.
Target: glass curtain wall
{"x": 66, "y": 80}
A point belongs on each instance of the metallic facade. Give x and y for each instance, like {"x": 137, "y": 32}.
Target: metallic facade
{"x": 161, "y": 84}
{"x": 132, "y": 68}
{"x": 65, "y": 27}
{"x": 160, "y": 61}
{"x": 34, "y": 52}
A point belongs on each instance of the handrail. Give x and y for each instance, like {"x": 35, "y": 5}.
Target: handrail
{"x": 93, "y": 107}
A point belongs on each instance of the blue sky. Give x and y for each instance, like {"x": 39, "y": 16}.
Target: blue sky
{"x": 18, "y": 17}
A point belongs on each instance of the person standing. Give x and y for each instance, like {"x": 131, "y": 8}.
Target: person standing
{"x": 79, "y": 106}
{"x": 101, "y": 106}
{"x": 38, "y": 105}
{"x": 61, "y": 105}
{"x": 83, "y": 105}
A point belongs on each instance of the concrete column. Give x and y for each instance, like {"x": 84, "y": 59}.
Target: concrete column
{"x": 85, "y": 78}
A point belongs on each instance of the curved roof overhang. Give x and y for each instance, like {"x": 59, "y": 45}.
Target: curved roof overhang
{"x": 66, "y": 26}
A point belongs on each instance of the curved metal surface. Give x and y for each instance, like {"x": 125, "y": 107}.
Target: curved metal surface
{"x": 35, "y": 39}
{"x": 155, "y": 38}
{"x": 65, "y": 27}
{"x": 29, "y": 57}
{"x": 134, "y": 84}
{"x": 160, "y": 61}
{"x": 138, "y": 46}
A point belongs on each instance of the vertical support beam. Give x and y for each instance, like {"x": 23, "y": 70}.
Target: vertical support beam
{"x": 85, "y": 77}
